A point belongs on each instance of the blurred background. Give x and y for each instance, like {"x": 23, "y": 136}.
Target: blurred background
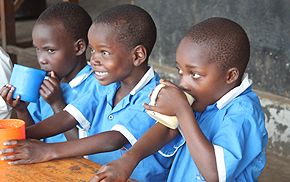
{"x": 265, "y": 21}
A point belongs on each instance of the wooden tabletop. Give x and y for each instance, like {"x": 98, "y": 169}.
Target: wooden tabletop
{"x": 72, "y": 169}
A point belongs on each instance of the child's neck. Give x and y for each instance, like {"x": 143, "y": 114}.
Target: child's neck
{"x": 128, "y": 85}
{"x": 81, "y": 64}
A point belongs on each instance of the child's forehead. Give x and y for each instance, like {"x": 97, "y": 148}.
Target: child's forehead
{"x": 191, "y": 50}
{"x": 106, "y": 34}
{"x": 194, "y": 55}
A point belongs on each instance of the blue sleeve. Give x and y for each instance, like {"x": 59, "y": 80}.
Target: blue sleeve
{"x": 83, "y": 108}
{"x": 241, "y": 129}
{"x": 35, "y": 111}
{"x": 134, "y": 125}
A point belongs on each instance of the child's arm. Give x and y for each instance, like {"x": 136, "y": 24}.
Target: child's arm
{"x": 153, "y": 140}
{"x": 56, "y": 124}
{"x": 33, "y": 151}
{"x": 19, "y": 106}
{"x": 51, "y": 92}
{"x": 172, "y": 101}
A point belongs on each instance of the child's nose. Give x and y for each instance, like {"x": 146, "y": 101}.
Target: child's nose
{"x": 41, "y": 59}
{"x": 95, "y": 61}
{"x": 183, "y": 84}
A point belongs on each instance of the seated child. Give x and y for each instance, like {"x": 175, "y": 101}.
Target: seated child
{"x": 121, "y": 40}
{"x": 5, "y": 73}
{"x": 60, "y": 38}
{"x": 225, "y": 135}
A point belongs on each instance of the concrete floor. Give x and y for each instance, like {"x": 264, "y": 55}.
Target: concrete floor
{"x": 277, "y": 168}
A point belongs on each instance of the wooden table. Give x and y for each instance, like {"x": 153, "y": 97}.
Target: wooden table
{"x": 72, "y": 169}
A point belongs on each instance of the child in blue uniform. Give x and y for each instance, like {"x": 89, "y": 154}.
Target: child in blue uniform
{"x": 121, "y": 40}
{"x": 60, "y": 38}
{"x": 225, "y": 135}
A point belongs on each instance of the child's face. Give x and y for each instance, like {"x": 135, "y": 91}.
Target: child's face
{"x": 55, "y": 48}
{"x": 111, "y": 60}
{"x": 202, "y": 79}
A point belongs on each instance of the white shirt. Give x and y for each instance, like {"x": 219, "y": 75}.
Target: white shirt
{"x": 5, "y": 73}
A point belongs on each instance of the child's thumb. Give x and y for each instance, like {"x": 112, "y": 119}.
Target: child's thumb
{"x": 53, "y": 75}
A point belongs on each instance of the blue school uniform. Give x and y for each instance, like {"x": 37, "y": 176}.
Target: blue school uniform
{"x": 70, "y": 91}
{"x": 235, "y": 126}
{"x": 95, "y": 112}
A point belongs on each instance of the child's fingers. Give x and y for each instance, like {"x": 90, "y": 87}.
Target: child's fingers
{"x": 9, "y": 98}
{"x": 168, "y": 83}
{"x": 5, "y": 90}
{"x": 18, "y": 161}
{"x": 98, "y": 177}
{"x": 54, "y": 76}
{"x": 47, "y": 85}
{"x": 6, "y": 151}
{"x": 149, "y": 107}
{"x": 94, "y": 179}
{"x": 12, "y": 142}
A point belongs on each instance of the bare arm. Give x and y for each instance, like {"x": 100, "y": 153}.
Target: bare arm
{"x": 34, "y": 151}
{"x": 56, "y": 124}
{"x": 173, "y": 102}
{"x": 153, "y": 140}
{"x": 201, "y": 150}
{"x": 52, "y": 93}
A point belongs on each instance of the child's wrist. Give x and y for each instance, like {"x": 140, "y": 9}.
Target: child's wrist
{"x": 131, "y": 158}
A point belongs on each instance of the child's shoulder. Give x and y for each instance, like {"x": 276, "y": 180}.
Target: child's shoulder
{"x": 248, "y": 100}
{"x": 246, "y": 108}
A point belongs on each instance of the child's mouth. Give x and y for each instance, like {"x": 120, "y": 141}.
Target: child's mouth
{"x": 101, "y": 74}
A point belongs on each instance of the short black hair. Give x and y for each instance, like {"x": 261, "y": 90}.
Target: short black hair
{"x": 74, "y": 18}
{"x": 133, "y": 24}
{"x": 227, "y": 42}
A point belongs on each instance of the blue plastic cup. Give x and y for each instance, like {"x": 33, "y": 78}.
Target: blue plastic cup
{"x": 27, "y": 82}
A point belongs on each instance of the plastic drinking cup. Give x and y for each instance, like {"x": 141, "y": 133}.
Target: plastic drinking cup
{"x": 27, "y": 82}
{"x": 11, "y": 129}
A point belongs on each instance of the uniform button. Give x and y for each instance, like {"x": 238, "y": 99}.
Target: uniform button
{"x": 111, "y": 117}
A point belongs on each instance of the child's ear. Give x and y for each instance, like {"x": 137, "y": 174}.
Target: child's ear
{"x": 80, "y": 47}
{"x": 232, "y": 75}
{"x": 139, "y": 54}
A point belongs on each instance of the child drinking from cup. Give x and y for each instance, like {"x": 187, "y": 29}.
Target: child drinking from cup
{"x": 60, "y": 39}
{"x": 121, "y": 40}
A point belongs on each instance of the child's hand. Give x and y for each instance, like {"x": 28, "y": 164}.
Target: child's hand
{"x": 170, "y": 100}
{"x": 25, "y": 152}
{"x": 7, "y": 93}
{"x": 112, "y": 172}
{"x": 50, "y": 90}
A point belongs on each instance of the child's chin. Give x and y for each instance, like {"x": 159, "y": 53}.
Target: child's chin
{"x": 104, "y": 83}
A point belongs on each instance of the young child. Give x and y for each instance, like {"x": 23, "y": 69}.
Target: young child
{"x": 225, "y": 137}
{"x": 121, "y": 40}
{"x": 5, "y": 73}
{"x": 60, "y": 38}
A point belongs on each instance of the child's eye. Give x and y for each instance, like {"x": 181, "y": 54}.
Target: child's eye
{"x": 179, "y": 71}
{"x": 92, "y": 50}
{"x": 195, "y": 75}
{"x": 105, "y": 53}
{"x": 50, "y": 51}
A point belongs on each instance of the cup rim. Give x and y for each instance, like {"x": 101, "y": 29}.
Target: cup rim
{"x": 20, "y": 123}
{"x": 29, "y": 68}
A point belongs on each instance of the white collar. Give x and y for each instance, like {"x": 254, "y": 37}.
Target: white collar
{"x": 80, "y": 78}
{"x": 228, "y": 97}
{"x": 145, "y": 79}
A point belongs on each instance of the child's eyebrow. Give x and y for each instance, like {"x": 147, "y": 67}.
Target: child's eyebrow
{"x": 190, "y": 66}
